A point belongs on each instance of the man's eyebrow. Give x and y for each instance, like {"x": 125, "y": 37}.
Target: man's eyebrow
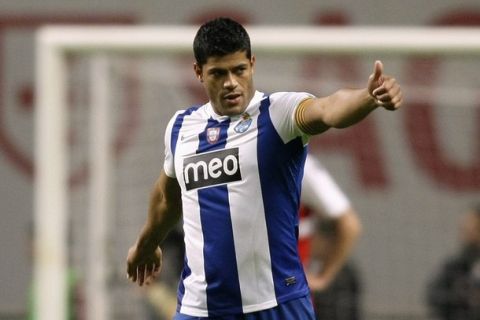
{"x": 240, "y": 65}
{"x": 216, "y": 69}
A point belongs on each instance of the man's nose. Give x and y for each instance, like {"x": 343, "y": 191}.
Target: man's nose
{"x": 230, "y": 81}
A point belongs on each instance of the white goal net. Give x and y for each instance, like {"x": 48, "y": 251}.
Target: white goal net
{"x": 105, "y": 95}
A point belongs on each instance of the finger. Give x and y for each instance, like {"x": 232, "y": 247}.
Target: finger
{"x": 386, "y": 103}
{"x": 392, "y": 95}
{"x": 388, "y": 85}
{"x": 397, "y": 101}
{"x": 129, "y": 269}
{"x": 149, "y": 274}
{"x": 141, "y": 275}
{"x": 148, "y": 278}
{"x": 132, "y": 273}
{"x": 379, "y": 91}
{"x": 386, "y": 97}
{"x": 392, "y": 105}
{"x": 151, "y": 270}
{"x": 129, "y": 273}
{"x": 153, "y": 274}
{"x": 377, "y": 70}
{"x": 156, "y": 269}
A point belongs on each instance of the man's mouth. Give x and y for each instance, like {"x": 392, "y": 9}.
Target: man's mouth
{"x": 232, "y": 96}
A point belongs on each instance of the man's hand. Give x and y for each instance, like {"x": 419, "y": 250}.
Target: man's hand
{"x": 143, "y": 269}
{"x": 319, "y": 282}
{"x": 384, "y": 89}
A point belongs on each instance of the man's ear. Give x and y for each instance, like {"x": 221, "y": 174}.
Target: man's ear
{"x": 252, "y": 63}
{"x": 198, "y": 71}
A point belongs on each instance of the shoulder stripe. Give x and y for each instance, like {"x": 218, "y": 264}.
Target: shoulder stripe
{"x": 280, "y": 193}
{"x": 178, "y": 125}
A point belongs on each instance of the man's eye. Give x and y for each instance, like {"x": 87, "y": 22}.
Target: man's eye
{"x": 240, "y": 71}
{"x": 217, "y": 73}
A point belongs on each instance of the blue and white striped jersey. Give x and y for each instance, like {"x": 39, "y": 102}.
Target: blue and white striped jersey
{"x": 240, "y": 179}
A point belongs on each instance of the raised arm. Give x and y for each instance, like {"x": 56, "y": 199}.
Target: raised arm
{"x": 348, "y": 106}
{"x": 145, "y": 256}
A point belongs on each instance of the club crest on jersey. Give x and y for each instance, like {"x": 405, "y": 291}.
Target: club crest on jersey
{"x": 212, "y": 135}
{"x": 244, "y": 124}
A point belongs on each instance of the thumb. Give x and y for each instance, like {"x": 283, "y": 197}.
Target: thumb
{"x": 377, "y": 70}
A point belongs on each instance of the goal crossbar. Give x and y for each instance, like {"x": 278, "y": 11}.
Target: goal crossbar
{"x": 53, "y": 43}
{"x": 277, "y": 39}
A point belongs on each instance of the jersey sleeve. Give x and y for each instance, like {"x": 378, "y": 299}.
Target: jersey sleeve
{"x": 282, "y": 112}
{"x": 169, "y": 163}
{"x": 320, "y": 192}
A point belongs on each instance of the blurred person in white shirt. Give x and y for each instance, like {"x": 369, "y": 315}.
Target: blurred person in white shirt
{"x": 329, "y": 228}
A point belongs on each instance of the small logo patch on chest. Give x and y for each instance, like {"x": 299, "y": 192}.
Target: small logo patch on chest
{"x": 244, "y": 124}
{"x": 212, "y": 135}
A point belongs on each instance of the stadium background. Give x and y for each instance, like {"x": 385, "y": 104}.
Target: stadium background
{"x": 409, "y": 187}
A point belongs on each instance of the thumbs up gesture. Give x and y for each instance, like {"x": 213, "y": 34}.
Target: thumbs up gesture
{"x": 384, "y": 89}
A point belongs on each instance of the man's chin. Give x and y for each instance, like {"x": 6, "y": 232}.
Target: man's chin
{"x": 233, "y": 110}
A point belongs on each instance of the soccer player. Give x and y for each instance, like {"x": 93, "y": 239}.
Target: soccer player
{"x": 329, "y": 228}
{"x": 323, "y": 200}
{"x": 233, "y": 170}
{"x": 323, "y": 254}
{"x": 454, "y": 291}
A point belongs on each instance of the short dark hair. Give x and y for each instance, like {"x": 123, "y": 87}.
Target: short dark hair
{"x": 219, "y": 37}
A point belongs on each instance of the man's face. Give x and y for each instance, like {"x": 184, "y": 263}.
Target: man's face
{"x": 228, "y": 81}
{"x": 470, "y": 229}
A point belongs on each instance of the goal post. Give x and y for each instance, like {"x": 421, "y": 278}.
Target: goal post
{"x": 54, "y": 43}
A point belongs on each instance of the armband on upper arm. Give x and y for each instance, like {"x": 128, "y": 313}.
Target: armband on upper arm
{"x": 300, "y": 118}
